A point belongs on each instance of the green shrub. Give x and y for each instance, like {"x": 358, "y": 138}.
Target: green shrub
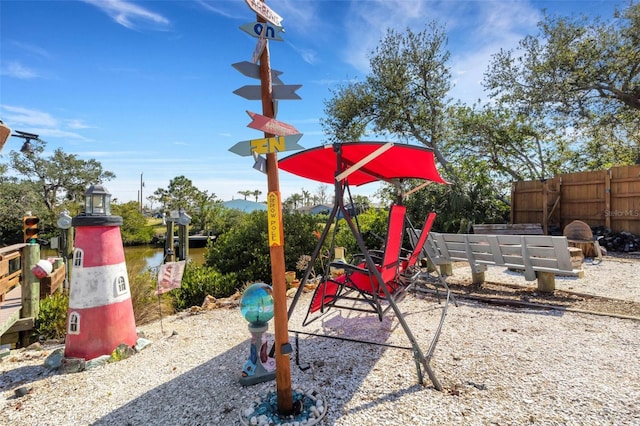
{"x": 51, "y": 322}
{"x": 244, "y": 250}
{"x": 200, "y": 281}
{"x": 373, "y": 227}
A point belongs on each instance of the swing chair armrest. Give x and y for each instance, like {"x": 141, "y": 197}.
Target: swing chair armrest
{"x": 348, "y": 267}
{"x": 376, "y": 256}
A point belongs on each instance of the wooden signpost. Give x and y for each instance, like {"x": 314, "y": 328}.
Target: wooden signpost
{"x": 270, "y": 145}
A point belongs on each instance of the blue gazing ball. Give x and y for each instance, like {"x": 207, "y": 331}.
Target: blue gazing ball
{"x": 256, "y": 303}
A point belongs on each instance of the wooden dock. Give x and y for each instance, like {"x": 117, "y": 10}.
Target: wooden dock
{"x": 10, "y": 309}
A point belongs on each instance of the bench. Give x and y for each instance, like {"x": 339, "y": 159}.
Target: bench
{"x": 541, "y": 257}
{"x": 508, "y": 228}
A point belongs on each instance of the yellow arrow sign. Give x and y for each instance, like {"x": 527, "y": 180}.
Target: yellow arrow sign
{"x": 274, "y": 212}
{"x": 267, "y": 145}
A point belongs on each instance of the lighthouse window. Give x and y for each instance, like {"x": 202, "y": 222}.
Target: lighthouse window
{"x": 74, "y": 323}
{"x": 121, "y": 285}
{"x": 77, "y": 258}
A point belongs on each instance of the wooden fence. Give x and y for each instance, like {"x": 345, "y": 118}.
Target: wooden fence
{"x": 609, "y": 198}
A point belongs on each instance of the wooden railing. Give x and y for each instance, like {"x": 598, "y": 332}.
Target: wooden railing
{"x": 10, "y": 268}
{"x": 21, "y": 291}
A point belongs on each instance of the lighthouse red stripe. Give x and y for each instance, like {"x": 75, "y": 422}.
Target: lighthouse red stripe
{"x": 102, "y": 329}
{"x": 102, "y": 245}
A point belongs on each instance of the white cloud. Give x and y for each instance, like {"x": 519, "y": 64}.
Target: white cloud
{"x": 17, "y": 70}
{"x": 41, "y": 123}
{"x": 19, "y": 116}
{"x": 130, "y": 15}
{"x": 30, "y": 48}
{"x": 77, "y": 124}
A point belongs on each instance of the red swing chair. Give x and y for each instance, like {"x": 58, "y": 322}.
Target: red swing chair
{"x": 376, "y": 280}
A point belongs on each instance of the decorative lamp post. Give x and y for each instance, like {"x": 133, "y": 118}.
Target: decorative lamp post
{"x": 256, "y": 306}
{"x": 100, "y": 316}
{"x": 66, "y": 246}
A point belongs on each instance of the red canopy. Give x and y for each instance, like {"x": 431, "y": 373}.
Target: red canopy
{"x": 393, "y": 161}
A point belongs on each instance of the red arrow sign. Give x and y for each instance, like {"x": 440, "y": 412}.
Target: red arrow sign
{"x": 271, "y": 125}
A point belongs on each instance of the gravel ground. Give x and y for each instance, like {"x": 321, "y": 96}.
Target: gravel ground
{"x": 498, "y": 365}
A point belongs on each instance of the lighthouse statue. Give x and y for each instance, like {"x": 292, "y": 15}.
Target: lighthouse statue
{"x": 100, "y": 315}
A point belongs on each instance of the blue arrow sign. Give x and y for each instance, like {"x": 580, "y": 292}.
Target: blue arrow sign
{"x": 267, "y": 145}
{"x": 254, "y": 29}
{"x": 281, "y": 91}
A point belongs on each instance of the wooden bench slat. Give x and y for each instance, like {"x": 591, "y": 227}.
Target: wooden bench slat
{"x": 508, "y": 228}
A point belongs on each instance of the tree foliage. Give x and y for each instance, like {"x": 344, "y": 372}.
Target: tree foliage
{"x": 579, "y": 74}
{"x": 58, "y": 177}
{"x": 182, "y": 194}
{"x": 245, "y": 251}
{"x": 515, "y": 146}
{"x": 134, "y": 229}
{"x": 405, "y": 95}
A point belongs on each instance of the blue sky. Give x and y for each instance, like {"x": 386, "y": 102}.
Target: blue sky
{"x": 145, "y": 87}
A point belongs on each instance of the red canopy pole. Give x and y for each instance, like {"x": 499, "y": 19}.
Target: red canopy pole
{"x": 276, "y": 248}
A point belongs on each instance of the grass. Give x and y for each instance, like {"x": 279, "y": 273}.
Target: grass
{"x": 156, "y": 224}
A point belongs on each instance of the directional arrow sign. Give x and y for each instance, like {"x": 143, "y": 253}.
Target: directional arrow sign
{"x": 271, "y": 125}
{"x": 265, "y": 11}
{"x": 253, "y": 70}
{"x": 281, "y": 91}
{"x": 267, "y": 145}
{"x": 262, "y": 42}
{"x": 255, "y": 29}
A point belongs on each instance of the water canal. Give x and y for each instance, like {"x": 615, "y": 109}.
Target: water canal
{"x": 139, "y": 258}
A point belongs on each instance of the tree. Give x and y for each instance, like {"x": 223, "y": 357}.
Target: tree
{"x": 513, "y": 146}
{"x": 580, "y": 74}
{"x": 17, "y": 197}
{"x": 306, "y": 197}
{"x": 404, "y": 96}
{"x": 256, "y": 193}
{"x": 58, "y": 177}
{"x": 245, "y": 193}
{"x": 134, "y": 227}
{"x": 182, "y": 194}
{"x": 322, "y": 194}
{"x": 293, "y": 201}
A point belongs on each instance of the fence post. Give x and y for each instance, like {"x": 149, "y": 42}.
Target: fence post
{"x": 607, "y": 198}
{"x": 169, "y": 249}
{"x": 545, "y": 207}
{"x": 30, "y": 283}
{"x": 30, "y": 287}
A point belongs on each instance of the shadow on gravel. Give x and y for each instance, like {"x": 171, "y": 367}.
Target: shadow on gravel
{"x": 210, "y": 394}
{"x": 23, "y": 377}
